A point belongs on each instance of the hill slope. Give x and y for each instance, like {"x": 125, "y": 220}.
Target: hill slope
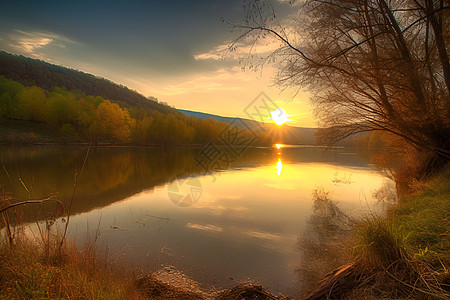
{"x": 30, "y": 114}
{"x": 286, "y": 134}
{"x": 29, "y": 72}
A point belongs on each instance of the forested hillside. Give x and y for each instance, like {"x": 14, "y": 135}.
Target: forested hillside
{"x": 29, "y": 72}
{"x": 57, "y": 104}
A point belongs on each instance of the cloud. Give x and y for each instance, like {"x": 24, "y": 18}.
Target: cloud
{"x": 249, "y": 45}
{"x": 32, "y": 43}
{"x": 217, "y": 53}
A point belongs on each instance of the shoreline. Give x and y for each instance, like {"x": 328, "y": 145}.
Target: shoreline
{"x": 404, "y": 254}
{"x": 359, "y": 279}
{"x": 427, "y": 202}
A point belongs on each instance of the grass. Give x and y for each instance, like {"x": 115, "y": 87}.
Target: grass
{"x": 424, "y": 216}
{"x": 29, "y": 270}
{"x": 26, "y": 272}
{"x": 42, "y": 267}
{"x": 407, "y": 253}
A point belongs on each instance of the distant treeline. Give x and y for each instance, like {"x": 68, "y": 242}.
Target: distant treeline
{"x": 79, "y": 117}
{"x": 29, "y": 72}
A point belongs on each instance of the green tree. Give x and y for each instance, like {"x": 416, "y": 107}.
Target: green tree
{"x": 85, "y": 114}
{"x": 6, "y": 104}
{"x": 60, "y": 110}
{"x": 32, "y": 104}
{"x": 69, "y": 132}
{"x": 8, "y": 97}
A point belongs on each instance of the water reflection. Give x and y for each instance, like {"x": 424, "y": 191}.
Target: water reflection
{"x": 247, "y": 224}
{"x": 325, "y": 241}
{"x": 279, "y": 167}
{"x": 110, "y": 174}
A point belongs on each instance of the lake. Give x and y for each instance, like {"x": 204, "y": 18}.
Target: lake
{"x": 277, "y": 217}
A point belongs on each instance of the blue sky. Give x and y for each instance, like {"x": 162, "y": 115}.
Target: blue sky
{"x": 167, "y": 49}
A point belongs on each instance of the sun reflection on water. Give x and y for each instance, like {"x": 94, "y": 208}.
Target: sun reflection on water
{"x": 279, "y": 167}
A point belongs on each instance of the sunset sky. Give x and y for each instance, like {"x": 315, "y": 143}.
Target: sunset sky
{"x": 167, "y": 49}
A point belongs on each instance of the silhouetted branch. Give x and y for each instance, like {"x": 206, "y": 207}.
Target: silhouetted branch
{"x": 41, "y": 201}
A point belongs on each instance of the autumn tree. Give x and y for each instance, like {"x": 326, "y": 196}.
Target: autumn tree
{"x": 140, "y": 130}
{"x": 75, "y": 117}
{"x": 113, "y": 121}
{"x": 372, "y": 65}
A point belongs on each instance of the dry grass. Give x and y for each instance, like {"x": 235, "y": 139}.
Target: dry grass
{"x": 26, "y": 272}
{"x": 33, "y": 269}
{"x": 399, "y": 281}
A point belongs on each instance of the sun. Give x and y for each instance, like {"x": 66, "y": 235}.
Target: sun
{"x": 279, "y": 116}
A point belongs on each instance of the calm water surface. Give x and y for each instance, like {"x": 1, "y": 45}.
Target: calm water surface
{"x": 258, "y": 220}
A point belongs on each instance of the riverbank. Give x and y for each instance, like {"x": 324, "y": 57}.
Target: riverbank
{"x": 40, "y": 134}
{"x": 27, "y": 271}
{"x": 39, "y": 266}
{"x": 405, "y": 254}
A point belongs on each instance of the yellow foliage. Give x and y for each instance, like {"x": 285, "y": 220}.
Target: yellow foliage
{"x": 113, "y": 121}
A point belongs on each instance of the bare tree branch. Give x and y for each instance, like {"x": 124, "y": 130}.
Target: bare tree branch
{"x": 373, "y": 65}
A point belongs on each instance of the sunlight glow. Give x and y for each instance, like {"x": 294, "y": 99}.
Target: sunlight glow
{"x": 278, "y": 146}
{"x": 279, "y": 167}
{"x": 279, "y": 116}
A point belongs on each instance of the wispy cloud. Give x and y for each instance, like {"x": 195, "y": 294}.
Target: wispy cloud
{"x": 239, "y": 49}
{"x": 217, "y": 53}
{"x": 32, "y": 43}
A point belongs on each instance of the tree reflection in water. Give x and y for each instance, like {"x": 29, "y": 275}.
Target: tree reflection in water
{"x": 325, "y": 242}
{"x": 110, "y": 174}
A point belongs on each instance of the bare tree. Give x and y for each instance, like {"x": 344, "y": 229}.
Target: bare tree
{"x": 373, "y": 65}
